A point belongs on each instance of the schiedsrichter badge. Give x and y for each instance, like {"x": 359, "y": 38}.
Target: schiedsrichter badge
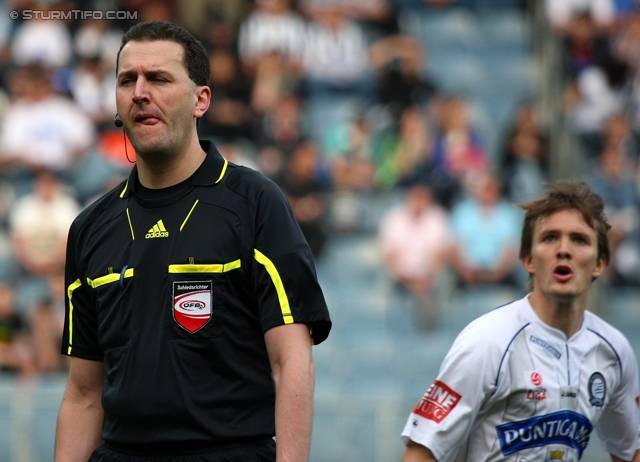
{"x": 192, "y": 304}
{"x": 597, "y": 389}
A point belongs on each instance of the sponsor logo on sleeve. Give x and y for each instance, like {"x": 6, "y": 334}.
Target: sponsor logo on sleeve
{"x": 563, "y": 427}
{"x": 546, "y": 346}
{"x": 597, "y": 389}
{"x": 437, "y": 402}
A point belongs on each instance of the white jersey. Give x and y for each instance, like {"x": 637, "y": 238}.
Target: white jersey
{"x": 514, "y": 389}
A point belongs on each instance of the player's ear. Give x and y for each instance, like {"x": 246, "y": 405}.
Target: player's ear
{"x": 600, "y": 267}
{"x": 527, "y": 263}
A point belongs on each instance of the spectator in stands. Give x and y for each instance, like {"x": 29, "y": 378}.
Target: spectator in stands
{"x": 524, "y": 160}
{"x": 42, "y": 129}
{"x": 486, "y": 233}
{"x": 398, "y": 60}
{"x": 44, "y": 41}
{"x": 39, "y": 223}
{"x": 458, "y": 152}
{"x": 272, "y": 82}
{"x": 283, "y": 127}
{"x": 272, "y": 27}
{"x": 335, "y": 53}
{"x": 46, "y": 334}
{"x": 618, "y": 132}
{"x": 377, "y": 17}
{"x": 414, "y": 238}
{"x": 584, "y": 45}
{"x": 92, "y": 89}
{"x": 406, "y": 153}
{"x": 15, "y": 351}
{"x": 524, "y": 166}
{"x": 612, "y": 179}
{"x": 626, "y": 48}
{"x": 229, "y": 116}
{"x": 350, "y": 151}
{"x": 561, "y": 12}
{"x": 302, "y": 183}
{"x": 198, "y": 16}
{"x": 271, "y": 161}
{"x": 589, "y": 102}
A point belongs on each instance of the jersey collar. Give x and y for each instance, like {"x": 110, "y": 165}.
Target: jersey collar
{"x": 531, "y": 316}
{"x": 212, "y": 171}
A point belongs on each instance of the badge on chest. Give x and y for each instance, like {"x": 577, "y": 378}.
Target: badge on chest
{"x": 192, "y": 304}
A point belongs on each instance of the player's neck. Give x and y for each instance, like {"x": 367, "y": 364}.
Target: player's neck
{"x": 171, "y": 170}
{"x": 563, "y": 313}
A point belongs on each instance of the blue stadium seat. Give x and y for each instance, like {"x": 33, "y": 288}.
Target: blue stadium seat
{"x": 443, "y": 28}
{"x": 505, "y": 29}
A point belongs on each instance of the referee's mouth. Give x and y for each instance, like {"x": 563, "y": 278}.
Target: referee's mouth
{"x": 145, "y": 118}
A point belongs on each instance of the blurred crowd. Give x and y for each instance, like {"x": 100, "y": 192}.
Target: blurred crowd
{"x": 332, "y": 101}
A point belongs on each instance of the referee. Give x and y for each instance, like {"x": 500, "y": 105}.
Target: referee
{"x": 192, "y": 298}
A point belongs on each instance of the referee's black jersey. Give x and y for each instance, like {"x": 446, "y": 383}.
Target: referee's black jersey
{"x": 174, "y": 295}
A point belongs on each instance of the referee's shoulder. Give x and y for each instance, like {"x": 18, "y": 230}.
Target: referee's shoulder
{"x": 249, "y": 183}
{"x": 104, "y": 207}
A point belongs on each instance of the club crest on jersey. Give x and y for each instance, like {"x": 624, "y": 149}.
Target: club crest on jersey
{"x": 564, "y": 427}
{"x": 554, "y": 455}
{"x": 192, "y": 304}
{"x": 437, "y": 402}
{"x": 597, "y": 389}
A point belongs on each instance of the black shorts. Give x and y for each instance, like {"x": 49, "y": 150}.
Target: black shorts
{"x": 252, "y": 452}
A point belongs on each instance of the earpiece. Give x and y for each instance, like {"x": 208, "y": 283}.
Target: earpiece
{"x": 116, "y": 120}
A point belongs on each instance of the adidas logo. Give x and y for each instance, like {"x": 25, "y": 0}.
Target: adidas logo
{"x": 158, "y": 230}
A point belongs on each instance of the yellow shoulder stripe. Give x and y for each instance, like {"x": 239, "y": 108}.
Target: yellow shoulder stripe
{"x": 224, "y": 169}
{"x": 77, "y": 283}
{"x": 205, "y": 268}
{"x": 277, "y": 282}
{"x": 133, "y": 237}
{"x": 126, "y": 185}
{"x": 189, "y": 214}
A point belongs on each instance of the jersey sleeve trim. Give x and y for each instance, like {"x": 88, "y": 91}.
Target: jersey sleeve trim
{"x": 279, "y": 286}
{"x": 74, "y": 285}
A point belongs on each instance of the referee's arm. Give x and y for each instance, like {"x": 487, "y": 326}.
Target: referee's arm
{"x": 289, "y": 348}
{"x": 81, "y": 416}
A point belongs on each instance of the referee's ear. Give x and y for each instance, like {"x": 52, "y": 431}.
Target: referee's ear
{"x": 203, "y": 100}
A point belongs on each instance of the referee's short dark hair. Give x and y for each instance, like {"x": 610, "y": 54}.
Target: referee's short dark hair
{"x": 196, "y": 59}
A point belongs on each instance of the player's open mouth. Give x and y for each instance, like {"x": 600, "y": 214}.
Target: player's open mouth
{"x": 563, "y": 272}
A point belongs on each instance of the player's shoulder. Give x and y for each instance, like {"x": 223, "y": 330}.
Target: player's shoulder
{"x": 497, "y": 327}
{"x": 607, "y": 333}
